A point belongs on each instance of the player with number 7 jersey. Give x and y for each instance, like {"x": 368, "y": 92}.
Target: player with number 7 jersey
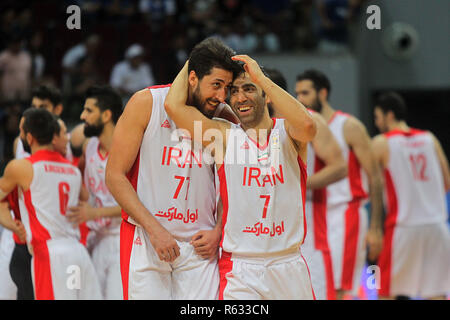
{"x": 262, "y": 176}
{"x": 47, "y": 184}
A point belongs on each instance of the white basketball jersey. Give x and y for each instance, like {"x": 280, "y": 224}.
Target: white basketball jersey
{"x": 353, "y": 187}
{"x": 99, "y": 195}
{"x": 55, "y": 187}
{"x": 415, "y": 190}
{"x": 263, "y": 193}
{"x": 173, "y": 180}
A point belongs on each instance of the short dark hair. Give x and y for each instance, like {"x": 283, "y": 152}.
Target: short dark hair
{"x": 318, "y": 78}
{"x": 107, "y": 99}
{"x": 210, "y": 53}
{"x": 41, "y": 124}
{"x": 277, "y": 77}
{"x": 392, "y": 101}
{"x": 48, "y": 92}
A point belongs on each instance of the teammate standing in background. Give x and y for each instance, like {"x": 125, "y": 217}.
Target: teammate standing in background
{"x": 325, "y": 165}
{"x": 348, "y": 229}
{"x": 166, "y": 189}
{"x": 16, "y": 256}
{"x": 262, "y": 184}
{"x": 53, "y": 242}
{"x": 415, "y": 258}
{"x": 102, "y": 109}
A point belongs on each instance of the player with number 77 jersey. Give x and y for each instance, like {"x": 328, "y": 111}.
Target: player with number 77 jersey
{"x": 262, "y": 175}
{"x": 47, "y": 185}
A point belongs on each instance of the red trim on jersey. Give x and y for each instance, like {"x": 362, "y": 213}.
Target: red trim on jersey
{"x": 103, "y": 158}
{"x": 274, "y": 120}
{"x": 224, "y": 196}
{"x": 132, "y": 176}
{"x": 47, "y": 155}
{"x": 319, "y": 211}
{"x": 126, "y": 245}
{"x": 84, "y": 231}
{"x": 411, "y": 132}
{"x": 350, "y": 244}
{"x": 309, "y": 275}
{"x": 333, "y": 116}
{"x": 43, "y": 287}
{"x": 329, "y": 276}
{"x": 225, "y": 266}
{"x": 159, "y": 86}
{"x": 354, "y": 177}
{"x": 385, "y": 259}
{"x": 38, "y": 233}
{"x": 13, "y": 201}
{"x": 303, "y": 177}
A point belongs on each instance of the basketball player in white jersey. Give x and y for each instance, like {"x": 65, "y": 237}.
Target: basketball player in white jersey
{"x": 49, "y": 98}
{"x": 263, "y": 190}
{"x": 325, "y": 165}
{"x": 415, "y": 258}
{"x": 102, "y": 109}
{"x": 347, "y": 220}
{"x": 46, "y": 97}
{"x": 169, "y": 236}
{"x": 19, "y": 264}
{"x": 54, "y": 243}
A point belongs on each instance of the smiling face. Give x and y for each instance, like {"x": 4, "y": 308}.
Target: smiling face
{"x": 211, "y": 90}
{"x": 247, "y": 100}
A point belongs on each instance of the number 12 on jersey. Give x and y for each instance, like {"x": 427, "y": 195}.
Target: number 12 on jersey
{"x": 419, "y": 165}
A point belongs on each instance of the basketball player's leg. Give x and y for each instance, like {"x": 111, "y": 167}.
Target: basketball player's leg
{"x": 113, "y": 284}
{"x": 144, "y": 275}
{"x": 336, "y": 241}
{"x": 20, "y": 270}
{"x": 73, "y": 275}
{"x": 233, "y": 284}
{"x": 194, "y": 278}
{"x": 288, "y": 278}
{"x": 400, "y": 262}
{"x": 435, "y": 280}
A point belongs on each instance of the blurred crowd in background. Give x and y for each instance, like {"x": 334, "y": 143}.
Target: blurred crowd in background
{"x": 134, "y": 44}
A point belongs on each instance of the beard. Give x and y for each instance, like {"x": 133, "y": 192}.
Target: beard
{"x": 200, "y": 103}
{"x": 93, "y": 130}
{"x": 26, "y": 146}
{"x": 316, "y": 106}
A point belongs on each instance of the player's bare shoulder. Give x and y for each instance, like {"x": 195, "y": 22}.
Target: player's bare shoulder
{"x": 139, "y": 108}
{"x": 354, "y": 130}
{"x": 380, "y": 148}
{"x": 19, "y": 171}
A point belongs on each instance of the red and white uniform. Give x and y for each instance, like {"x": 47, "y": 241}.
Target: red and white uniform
{"x": 263, "y": 191}
{"x": 8, "y": 289}
{"x": 55, "y": 242}
{"x": 416, "y": 249}
{"x": 347, "y": 218}
{"x": 176, "y": 184}
{"x": 315, "y": 249}
{"x": 104, "y": 238}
